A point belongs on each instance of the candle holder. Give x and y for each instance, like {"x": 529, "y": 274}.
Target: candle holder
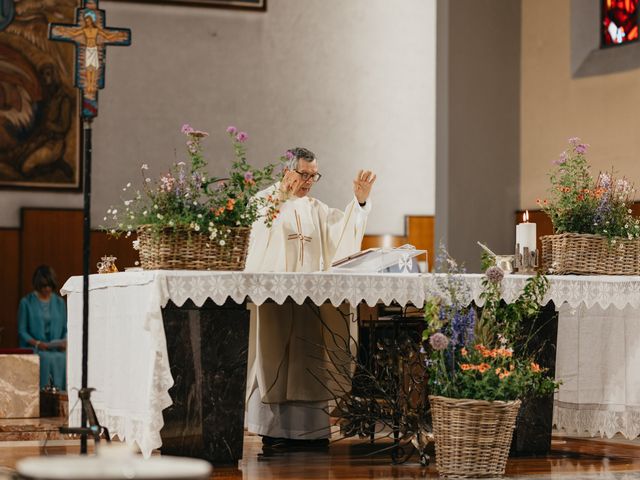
{"x": 527, "y": 261}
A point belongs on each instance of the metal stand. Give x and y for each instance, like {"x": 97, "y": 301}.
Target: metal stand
{"x": 527, "y": 261}
{"x": 88, "y": 414}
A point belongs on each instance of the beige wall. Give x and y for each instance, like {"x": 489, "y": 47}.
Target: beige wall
{"x": 599, "y": 109}
{"x": 353, "y": 80}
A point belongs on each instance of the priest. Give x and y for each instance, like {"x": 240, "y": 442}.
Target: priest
{"x": 292, "y": 346}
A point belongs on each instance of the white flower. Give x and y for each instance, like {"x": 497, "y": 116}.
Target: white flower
{"x": 129, "y": 227}
{"x": 155, "y": 206}
{"x": 237, "y": 222}
{"x": 109, "y": 211}
{"x": 159, "y": 215}
{"x": 128, "y": 184}
{"x": 145, "y": 212}
{"x": 105, "y": 219}
{"x": 199, "y": 215}
{"x": 136, "y": 263}
{"x": 195, "y": 203}
{"x": 113, "y": 231}
{"x": 222, "y": 243}
{"x": 181, "y": 164}
{"x": 197, "y": 228}
{"x": 124, "y": 189}
{"x": 128, "y": 235}
{"x": 128, "y": 202}
{"x": 136, "y": 244}
{"x": 171, "y": 223}
{"x": 114, "y": 211}
{"x": 144, "y": 166}
{"x": 147, "y": 180}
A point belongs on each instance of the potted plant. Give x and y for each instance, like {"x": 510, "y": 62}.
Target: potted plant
{"x": 479, "y": 370}
{"x": 595, "y": 231}
{"x": 188, "y": 220}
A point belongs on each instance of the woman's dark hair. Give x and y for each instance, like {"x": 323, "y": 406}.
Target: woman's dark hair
{"x": 43, "y": 277}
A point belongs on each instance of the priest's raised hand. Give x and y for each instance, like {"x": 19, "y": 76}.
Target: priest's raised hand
{"x": 362, "y": 185}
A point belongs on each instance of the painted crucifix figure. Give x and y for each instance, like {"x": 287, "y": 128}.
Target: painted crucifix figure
{"x": 91, "y": 37}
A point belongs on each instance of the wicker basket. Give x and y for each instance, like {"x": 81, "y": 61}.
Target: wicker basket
{"x": 184, "y": 249}
{"x": 472, "y": 437}
{"x": 585, "y": 254}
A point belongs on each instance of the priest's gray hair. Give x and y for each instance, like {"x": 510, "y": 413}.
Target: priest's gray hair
{"x": 297, "y": 154}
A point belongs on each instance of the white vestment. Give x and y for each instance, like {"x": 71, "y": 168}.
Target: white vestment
{"x": 287, "y": 388}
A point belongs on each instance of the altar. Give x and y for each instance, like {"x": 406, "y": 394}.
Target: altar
{"x": 129, "y": 348}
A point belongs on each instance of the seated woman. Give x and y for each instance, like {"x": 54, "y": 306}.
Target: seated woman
{"x": 42, "y": 325}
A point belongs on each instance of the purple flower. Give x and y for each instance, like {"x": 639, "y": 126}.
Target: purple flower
{"x": 494, "y": 274}
{"x": 242, "y": 136}
{"x": 561, "y": 159}
{"x": 438, "y": 341}
{"x": 462, "y": 327}
{"x": 248, "y": 176}
{"x": 574, "y": 140}
{"x": 289, "y": 155}
{"x": 187, "y": 129}
{"x": 581, "y": 148}
{"x": 231, "y": 130}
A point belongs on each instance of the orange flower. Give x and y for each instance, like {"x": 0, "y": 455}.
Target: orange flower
{"x": 535, "y": 367}
{"x": 504, "y": 374}
{"x": 230, "y": 203}
{"x": 219, "y": 211}
{"x": 466, "y": 366}
{"x": 463, "y": 352}
{"x": 498, "y": 371}
{"x": 483, "y": 367}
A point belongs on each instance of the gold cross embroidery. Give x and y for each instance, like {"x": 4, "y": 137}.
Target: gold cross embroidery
{"x": 299, "y": 236}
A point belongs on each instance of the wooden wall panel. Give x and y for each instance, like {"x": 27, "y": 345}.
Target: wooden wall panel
{"x": 420, "y": 231}
{"x": 375, "y": 241}
{"x": 9, "y": 286}
{"x": 52, "y": 237}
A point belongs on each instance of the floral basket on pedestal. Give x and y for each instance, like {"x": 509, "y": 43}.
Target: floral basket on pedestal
{"x": 479, "y": 369}
{"x": 190, "y": 221}
{"x": 587, "y": 254}
{"x": 595, "y": 231}
{"x": 183, "y": 249}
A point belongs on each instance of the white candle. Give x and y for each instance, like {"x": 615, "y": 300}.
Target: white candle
{"x": 526, "y": 234}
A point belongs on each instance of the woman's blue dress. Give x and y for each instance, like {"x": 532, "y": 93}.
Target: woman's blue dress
{"x": 46, "y": 322}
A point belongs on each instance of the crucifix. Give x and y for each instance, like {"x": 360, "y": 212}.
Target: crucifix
{"x": 90, "y": 37}
{"x": 299, "y": 236}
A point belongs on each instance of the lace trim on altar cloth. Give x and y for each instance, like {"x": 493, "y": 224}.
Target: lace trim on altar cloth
{"x": 597, "y": 420}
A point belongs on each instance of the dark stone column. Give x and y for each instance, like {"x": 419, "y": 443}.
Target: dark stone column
{"x": 207, "y": 348}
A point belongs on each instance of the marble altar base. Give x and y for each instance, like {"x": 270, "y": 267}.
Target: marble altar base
{"x": 207, "y": 349}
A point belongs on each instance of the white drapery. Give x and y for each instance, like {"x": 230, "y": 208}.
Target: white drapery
{"x": 128, "y": 361}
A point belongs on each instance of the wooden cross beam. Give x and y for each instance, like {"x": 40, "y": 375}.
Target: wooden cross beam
{"x": 90, "y": 37}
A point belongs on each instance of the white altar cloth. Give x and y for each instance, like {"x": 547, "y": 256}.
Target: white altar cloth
{"x": 128, "y": 364}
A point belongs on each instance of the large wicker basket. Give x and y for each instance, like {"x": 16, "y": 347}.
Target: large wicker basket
{"x": 472, "y": 437}
{"x": 585, "y": 254}
{"x": 184, "y": 249}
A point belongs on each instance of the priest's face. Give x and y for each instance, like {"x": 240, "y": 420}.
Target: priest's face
{"x": 306, "y": 171}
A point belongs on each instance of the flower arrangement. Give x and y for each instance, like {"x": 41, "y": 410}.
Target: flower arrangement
{"x": 580, "y": 204}
{"x": 482, "y": 354}
{"x": 187, "y": 198}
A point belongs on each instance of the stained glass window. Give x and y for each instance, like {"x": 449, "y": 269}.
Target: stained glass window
{"x": 619, "y": 22}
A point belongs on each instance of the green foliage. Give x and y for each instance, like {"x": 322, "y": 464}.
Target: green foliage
{"x": 483, "y": 353}
{"x": 579, "y": 204}
{"x": 186, "y": 197}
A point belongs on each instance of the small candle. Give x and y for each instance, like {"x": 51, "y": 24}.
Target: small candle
{"x": 526, "y": 234}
